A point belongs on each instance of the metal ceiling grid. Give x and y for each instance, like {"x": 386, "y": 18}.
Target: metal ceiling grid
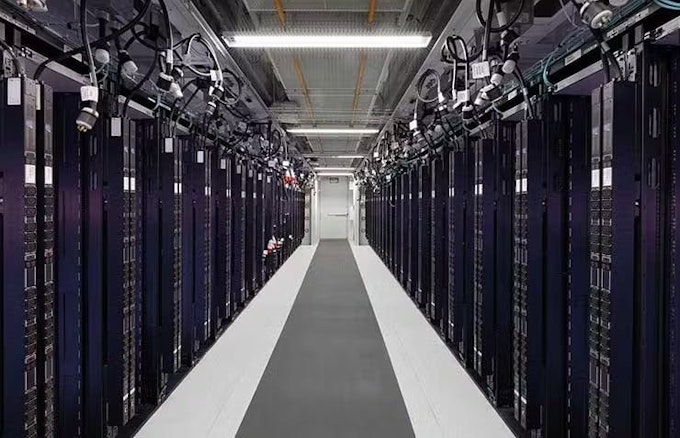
{"x": 328, "y": 5}
{"x": 341, "y": 86}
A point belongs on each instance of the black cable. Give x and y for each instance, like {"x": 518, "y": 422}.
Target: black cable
{"x": 85, "y": 36}
{"x": 520, "y": 78}
{"x": 503, "y": 28}
{"x": 17, "y": 65}
{"x": 42, "y": 66}
{"x": 139, "y": 85}
{"x": 168, "y": 28}
{"x": 487, "y": 29}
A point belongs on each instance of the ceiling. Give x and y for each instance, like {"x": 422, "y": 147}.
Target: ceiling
{"x": 337, "y": 88}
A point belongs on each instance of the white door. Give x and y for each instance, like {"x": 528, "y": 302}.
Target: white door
{"x": 334, "y": 207}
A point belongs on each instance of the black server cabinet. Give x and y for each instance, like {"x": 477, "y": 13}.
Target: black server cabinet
{"x": 68, "y": 234}
{"x": 221, "y": 236}
{"x": 412, "y": 285}
{"x": 614, "y": 214}
{"x": 398, "y": 228}
{"x": 393, "y": 226}
{"x": 238, "y": 260}
{"x": 405, "y": 229}
{"x": 18, "y": 235}
{"x": 260, "y": 243}
{"x": 460, "y": 232}
{"x": 250, "y": 232}
{"x": 437, "y": 301}
{"x": 578, "y": 263}
{"x": 160, "y": 162}
{"x": 528, "y": 229}
{"x": 194, "y": 292}
{"x": 45, "y": 262}
{"x": 491, "y": 251}
{"x": 424, "y": 228}
{"x": 672, "y": 300}
{"x": 109, "y": 249}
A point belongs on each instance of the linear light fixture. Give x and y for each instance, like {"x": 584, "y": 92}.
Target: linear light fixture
{"x": 335, "y": 174}
{"x": 337, "y": 169}
{"x": 289, "y": 41}
{"x": 339, "y": 157}
{"x": 333, "y": 131}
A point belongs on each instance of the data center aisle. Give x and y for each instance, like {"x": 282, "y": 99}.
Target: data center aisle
{"x": 330, "y": 374}
{"x": 441, "y": 398}
{"x": 212, "y": 400}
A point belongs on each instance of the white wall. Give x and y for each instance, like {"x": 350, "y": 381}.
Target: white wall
{"x": 334, "y": 207}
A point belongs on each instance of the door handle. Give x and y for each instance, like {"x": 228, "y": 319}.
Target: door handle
{"x": 338, "y": 214}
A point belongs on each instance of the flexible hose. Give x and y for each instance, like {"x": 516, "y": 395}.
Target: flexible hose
{"x": 503, "y": 28}
{"x": 42, "y": 66}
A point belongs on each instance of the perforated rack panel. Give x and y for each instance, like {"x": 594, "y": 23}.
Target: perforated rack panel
{"x": 18, "y": 235}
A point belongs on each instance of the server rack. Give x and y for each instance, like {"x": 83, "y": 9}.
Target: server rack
{"x": 68, "y": 234}
{"x": 238, "y": 286}
{"x": 194, "y": 252}
{"x": 672, "y": 255}
{"x": 160, "y": 161}
{"x": 613, "y": 261}
{"x": 405, "y": 230}
{"x": 436, "y": 300}
{"x": 460, "y": 260}
{"x": 18, "y": 216}
{"x": 491, "y": 249}
{"x": 412, "y": 285}
{"x": 222, "y": 168}
{"x": 424, "y": 228}
{"x": 45, "y": 262}
{"x": 259, "y": 228}
{"x": 250, "y": 253}
{"x": 578, "y": 264}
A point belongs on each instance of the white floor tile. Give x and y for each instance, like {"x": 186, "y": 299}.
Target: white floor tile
{"x": 213, "y": 398}
{"x": 440, "y": 396}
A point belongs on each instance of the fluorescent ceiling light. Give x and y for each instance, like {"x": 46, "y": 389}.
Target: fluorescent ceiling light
{"x": 340, "y": 157}
{"x": 335, "y": 174}
{"x": 333, "y": 131}
{"x": 347, "y": 169}
{"x": 287, "y": 41}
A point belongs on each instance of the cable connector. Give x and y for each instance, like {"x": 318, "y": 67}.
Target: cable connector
{"x": 87, "y": 118}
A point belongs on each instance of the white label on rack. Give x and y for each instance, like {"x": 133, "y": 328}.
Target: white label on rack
{"x": 200, "y": 157}
{"x": 116, "y": 127}
{"x": 259, "y": 177}
{"x": 207, "y": 191}
{"x": 29, "y": 176}
{"x": 223, "y": 163}
{"x": 89, "y": 93}
{"x": 518, "y": 186}
{"x": 595, "y": 178}
{"x": 607, "y": 177}
{"x": 228, "y": 193}
{"x": 38, "y": 96}
{"x": 133, "y": 184}
{"x": 572, "y": 57}
{"x": 126, "y": 184}
{"x": 434, "y": 194}
{"x": 178, "y": 188}
{"x": 168, "y": 145}
{"x": 481, "y": 70}
{"x": 48, "y": 176}
{"x": 238, "y": 169}
{"x": 525, "y": 185}
{"x": 13, "y": 91}
{"x": 243, "y": 194}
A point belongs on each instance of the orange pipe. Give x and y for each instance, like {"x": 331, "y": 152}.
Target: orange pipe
{"x": 371, "y": 11}
{"x": 360, "y": 80}
{"x": 303, "y": 84}
{"x": 278, "y": 4}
